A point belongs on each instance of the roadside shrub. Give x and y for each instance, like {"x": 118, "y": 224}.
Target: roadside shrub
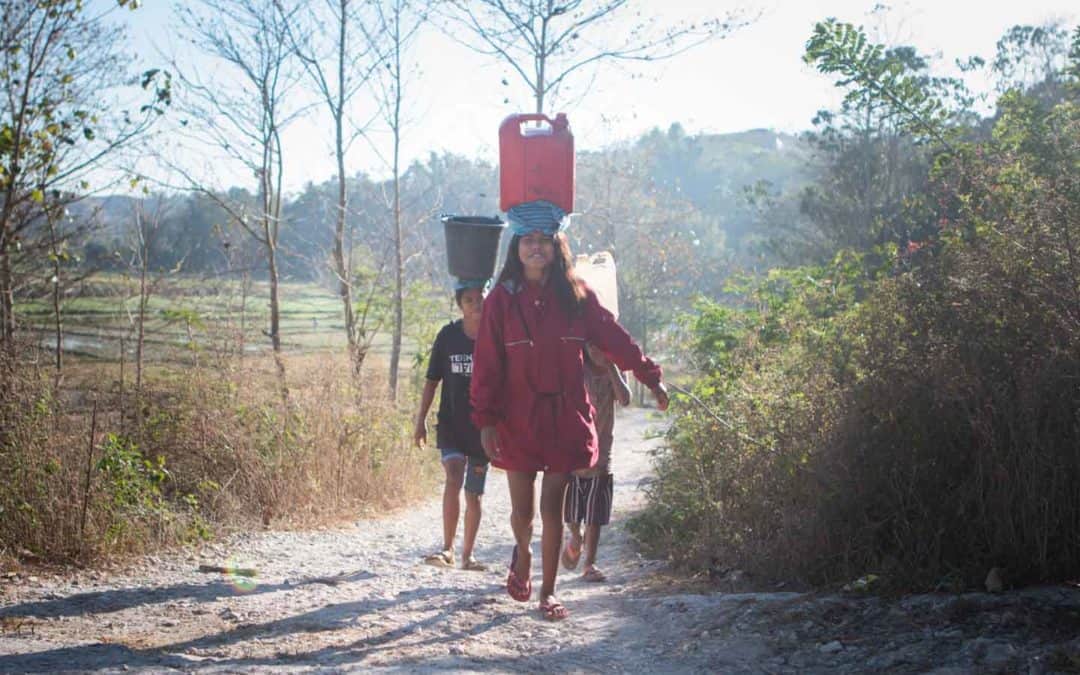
{"x": 194, "y": 453}
{"x": 916, "y": 416}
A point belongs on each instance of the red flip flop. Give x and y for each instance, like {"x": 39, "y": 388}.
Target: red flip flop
{"x": 517, "y": 589}
{"x": 553, "y": 610}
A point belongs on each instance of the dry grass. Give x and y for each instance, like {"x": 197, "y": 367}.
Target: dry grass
{"x": 196, "y": 452}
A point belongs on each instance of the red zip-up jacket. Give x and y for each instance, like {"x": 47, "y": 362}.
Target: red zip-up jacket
{"x": 528, "y": 376}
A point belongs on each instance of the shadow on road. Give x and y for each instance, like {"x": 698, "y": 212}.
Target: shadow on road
{"x": 99, "y": 602}
{"x": 330, "y": 618}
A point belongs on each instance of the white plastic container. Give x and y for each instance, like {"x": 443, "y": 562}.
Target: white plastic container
{"x": 598, "y": 271}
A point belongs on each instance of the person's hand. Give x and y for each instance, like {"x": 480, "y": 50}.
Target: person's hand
{"x": 489, "y": 439}
{"x": 420, "y": 433}
{"x": 659, "y": 392}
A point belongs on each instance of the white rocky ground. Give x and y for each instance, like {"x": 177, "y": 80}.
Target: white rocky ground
{"x": 358, "y": 599}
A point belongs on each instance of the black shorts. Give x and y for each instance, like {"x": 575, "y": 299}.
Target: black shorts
{"x": 588, "y": 500}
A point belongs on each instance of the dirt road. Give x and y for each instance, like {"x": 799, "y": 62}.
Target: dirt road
{"x": 359, "y": 598}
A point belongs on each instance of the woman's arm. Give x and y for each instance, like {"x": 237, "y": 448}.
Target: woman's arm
{"x": 603, "y": 330}
{"x": 622, "y": 389}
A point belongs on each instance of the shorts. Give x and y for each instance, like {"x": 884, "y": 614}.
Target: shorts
{"x": 475, "y": 470}
{"x": 588, "y": 500}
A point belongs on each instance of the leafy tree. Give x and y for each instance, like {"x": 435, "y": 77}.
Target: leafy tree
{"x": 1029, "y": 56}
{"x": 59, "y": 61}
{"x": 871, "y": 156}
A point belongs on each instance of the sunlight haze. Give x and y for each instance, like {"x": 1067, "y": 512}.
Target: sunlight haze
{"x": 754, "y": 78}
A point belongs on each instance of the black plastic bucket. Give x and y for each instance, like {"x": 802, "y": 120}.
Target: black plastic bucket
{"x": 472, "y": 245}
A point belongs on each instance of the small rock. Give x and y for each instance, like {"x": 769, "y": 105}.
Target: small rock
{"x": 228, "y": 615}
{"x": 994, "y": 581}
{"x": 999, "y": 653}
{"x": 831, "y": 647}
{"x": 457, "y": 651}
{"x": 736, "y": 581}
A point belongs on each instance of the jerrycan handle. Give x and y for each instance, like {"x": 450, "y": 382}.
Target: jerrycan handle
{"x": 560, "y": 123}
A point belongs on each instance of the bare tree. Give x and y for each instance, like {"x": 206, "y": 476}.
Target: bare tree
{"x": 59, "y": 62}
{"x": 147, "y": 216}
{"x": 545, "y": 43}
{"x": 241, "y": 111}
{"x": 398, "y": 23}
{"x": 339, "y": 64}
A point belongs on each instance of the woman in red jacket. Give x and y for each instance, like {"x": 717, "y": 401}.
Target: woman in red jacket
{"x": 528, "y": 386}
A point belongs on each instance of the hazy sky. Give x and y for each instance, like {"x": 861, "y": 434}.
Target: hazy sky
{"x": 753, "y": 78}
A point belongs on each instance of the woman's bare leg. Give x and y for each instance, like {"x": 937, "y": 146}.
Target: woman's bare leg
{"x": 522, "y": 510}
{"x": 552, "y": 491}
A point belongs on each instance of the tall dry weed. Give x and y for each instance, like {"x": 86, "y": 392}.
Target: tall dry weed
{"x": 198, "y": 451}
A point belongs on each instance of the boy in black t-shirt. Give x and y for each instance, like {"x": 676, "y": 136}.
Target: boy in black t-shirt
{"x": 458, "y": 440}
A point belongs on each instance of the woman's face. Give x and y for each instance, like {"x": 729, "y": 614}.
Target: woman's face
{"x": 471, "y": 303}
{"x": 536, "y": 251}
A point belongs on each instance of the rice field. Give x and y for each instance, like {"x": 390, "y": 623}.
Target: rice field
{"x": 186, "y": 315}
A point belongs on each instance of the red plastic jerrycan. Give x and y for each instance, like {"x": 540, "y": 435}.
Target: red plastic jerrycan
{"x": 536, "y": 161}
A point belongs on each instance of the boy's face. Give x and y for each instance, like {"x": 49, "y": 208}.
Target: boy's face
{"x": 472, "y": 301}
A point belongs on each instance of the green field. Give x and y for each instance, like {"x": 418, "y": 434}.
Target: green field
{"x": 187, "y": 313}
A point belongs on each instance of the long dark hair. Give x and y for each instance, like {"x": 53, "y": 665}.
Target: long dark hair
{"x": 569, "y": 290}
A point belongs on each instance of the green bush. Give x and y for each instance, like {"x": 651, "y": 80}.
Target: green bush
{"x": 914, "y": 414}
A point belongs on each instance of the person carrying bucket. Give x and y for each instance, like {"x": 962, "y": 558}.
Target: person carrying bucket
{"x": 590, "y": 493}
{"x": 528, "y": 387}
{"x": 463, "y": 458}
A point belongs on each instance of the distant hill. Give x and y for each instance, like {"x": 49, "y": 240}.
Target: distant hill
{"x": 711, "y": 171}
{"x": 715, "y": 171}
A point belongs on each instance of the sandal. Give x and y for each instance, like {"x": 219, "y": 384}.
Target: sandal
{"x": 440, "y": 559}
{"x": 473, "y": 565}
{"x": 570, "y": 556}
{"x": 517, "y": 589}
{"x": 593, "y": 574}
{"x": 553, "y": 610}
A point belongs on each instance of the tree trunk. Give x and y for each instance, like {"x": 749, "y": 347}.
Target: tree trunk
{"x": 399, "y": 291}
{"x": 141, "y": 327}
{"x": 399, "y": 272}
{"x": 341, "y": 267}
{"x": 7, "y": 304}
{"x": 644, "y": 346}
{"x": 244, "y": 281}
{"x": 275, "y": 303}
{"x": 541, "y": 58}
{"x": 58, "y": 324}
